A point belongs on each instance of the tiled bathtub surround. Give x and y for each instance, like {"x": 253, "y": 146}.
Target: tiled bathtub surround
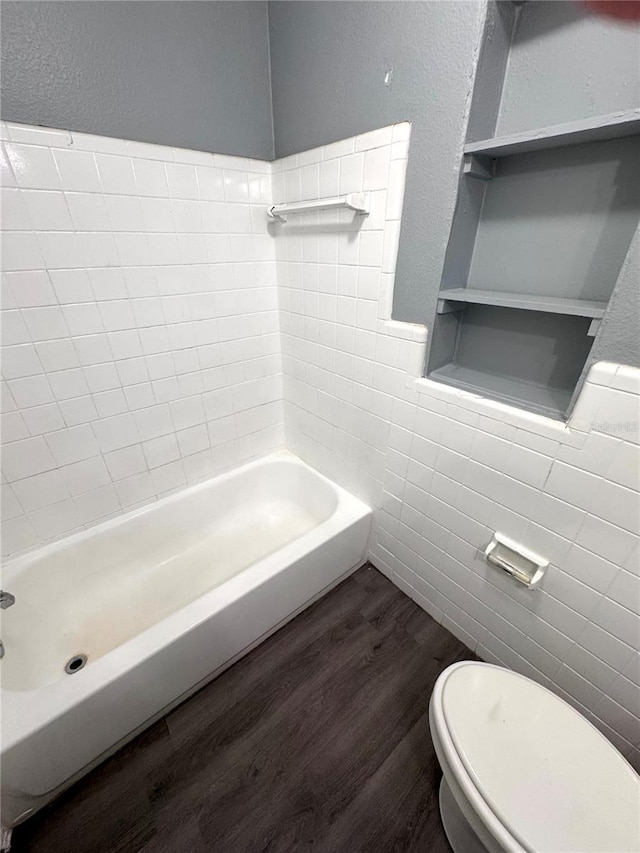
{"x": 140, "y": 348}
{"x": 444, "y": 469}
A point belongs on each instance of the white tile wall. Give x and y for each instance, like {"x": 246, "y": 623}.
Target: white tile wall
{"x": 444, "y": 469}
{"x": 141, "y": 353}
{"x": 140, "y": 347}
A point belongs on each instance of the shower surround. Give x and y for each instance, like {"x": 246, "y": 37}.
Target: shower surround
{"x": 139, "y": 326}
{"x": 442, "y": 468}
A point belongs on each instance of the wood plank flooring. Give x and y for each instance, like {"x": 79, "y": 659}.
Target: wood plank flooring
{"x": 318, "y": 740}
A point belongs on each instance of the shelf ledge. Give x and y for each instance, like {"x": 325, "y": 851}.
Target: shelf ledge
{"x": 526, "y": 302}
{"x": 543, "y": 400}
{"x": 596, "y": 129}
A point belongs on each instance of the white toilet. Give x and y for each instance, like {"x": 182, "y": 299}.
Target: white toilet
{"x": 524, "y": 771}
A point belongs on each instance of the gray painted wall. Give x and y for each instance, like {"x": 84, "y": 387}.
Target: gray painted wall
{"x": 559, "y": 222}
{"x": 197, "y": 75}
{"x": 566, "y": 64}
{"x": 619, "y": 338}
{"x": 328, "y": 62}
{"x": 189, "y": 74}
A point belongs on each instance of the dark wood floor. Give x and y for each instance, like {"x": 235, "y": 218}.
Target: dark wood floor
{"x": 317, "y": 740}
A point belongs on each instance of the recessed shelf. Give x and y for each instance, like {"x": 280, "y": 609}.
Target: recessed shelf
{"x": 551, "y": 402}
{"x": 527, "y": 302}
{"x": 612, "y": 126}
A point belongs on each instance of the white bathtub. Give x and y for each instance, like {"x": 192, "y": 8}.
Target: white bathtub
{"x": 160, "y": 601}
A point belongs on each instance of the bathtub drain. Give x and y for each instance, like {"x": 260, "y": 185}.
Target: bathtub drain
{"x": 75, "y": 663}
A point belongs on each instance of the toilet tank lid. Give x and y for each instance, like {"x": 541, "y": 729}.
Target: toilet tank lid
{"x": 549, "y": 776}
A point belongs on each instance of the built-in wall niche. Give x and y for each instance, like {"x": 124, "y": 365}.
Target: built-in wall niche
{"x": 543, "y": 223}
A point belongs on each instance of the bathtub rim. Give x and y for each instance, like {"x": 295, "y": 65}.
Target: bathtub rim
{"x": 23, "y": 714}
{"x": 19, "y": 563}
{"x": 43, "y": 799}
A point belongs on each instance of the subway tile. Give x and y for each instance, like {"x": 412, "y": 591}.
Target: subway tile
{"x": 13, "y": 427}
{"x": 623, "y": 468}
{"x": 589, "y": 568}
{"x": 15, "y": 214}
{"x": 342, "y": 148}
{"x": 528, "y": 466}
{"x": 40, "y": 490}
{"x": 160, "y": 451}
{"x": 33, "y": 166}
{"x": 204, "y": 324}
{"x": 623, "y": 722}
{"x": 374, "y": 139}
{"x": 98, "y": 249}
{"x": 135, "y": 489}
{"x": 124, "y": 212}
{"x": 97, "y": 504}
{"x": 617, "y": 505}
{"x": 66, "y": 384}
{"x": 21, "y": 251}
{"x": 93, "y": 349}
{"x": 579, "y": 688}
{"x": 18, "y": 535}
{"x": 82, "y": 319}
{"x": 625, "y": 590}
{"x": 43, "y": 419}
{"x": 101, "y": 377}
{"x": 48, "y": 211}
{"x": 139, "y": 396}
{"x": 13, "y": 329}
{"x": 117, "y": 315}
{"x": 125, "y": 462}
{"x": 61, "y": 249}
{"x": 625, "y": 692}
{"x": 611, "y": 542}
{"x": 351, "y": 173}
{"x": 45, "y": 323}
{"x": 72, "y": 444}
{"x": 19, "y": 361}
{"x": 617, "y": 415}
{"x": 558, "y": 516}
{"x": 44, "y": 136}
{"x": 108, "y": 283}
{"x": 617, "y": 620}
{"x": 71, "y": 286}
{"x": 31, "y": 289}
{"x": 606, "y": 646}
{"x": 26, "y": 458}
{"x": 595, "y": 455}
{"x": 572, "y": 485}
{"x": 52, "y": 521}
{"x": 9, "y": 502}
{"x": 376, "y": 168}
{"x": 168, "y": 477}
{"x": 193, "y": 440}
{"x": 182, "y": 180}
{"x": 115, "y": 432}
{"x": 116, "y": 174}
{"x": 151, "y": 179}
{"x": 30, "y": 391}
{"x": 626, "y": 379}
{"x": 125, "y": 344}
{"x": 77, "y": 170}
{"x": 109, "y": 403}
{"x": 85, "y": 476}
{"x": 7, "y": 178}
{"x": 79, "y": 410}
